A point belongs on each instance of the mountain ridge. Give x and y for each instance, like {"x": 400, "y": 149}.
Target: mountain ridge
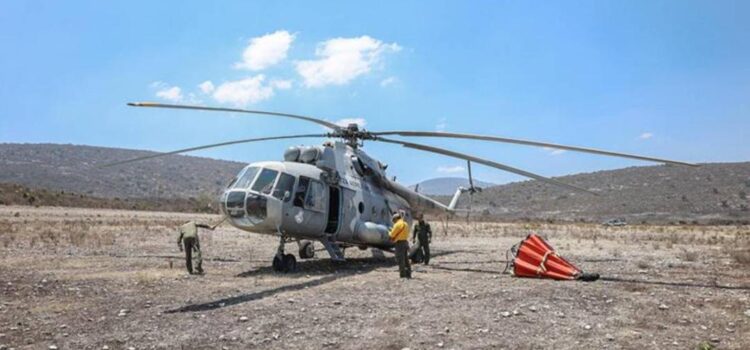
{"x": 716, "y": 191}
{"x": 447, "y": 185}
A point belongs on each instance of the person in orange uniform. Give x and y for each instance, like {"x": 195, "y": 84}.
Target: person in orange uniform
{"x": 400, "y": 234}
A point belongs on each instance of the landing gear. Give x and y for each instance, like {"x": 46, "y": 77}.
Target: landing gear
{"x": 290, "y": 263}
{"x": 278, "y": 263}
{"x": 306, "y": 250}
{"x": 283, "y": 262}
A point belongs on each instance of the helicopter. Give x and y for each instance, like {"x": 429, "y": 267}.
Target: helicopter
{"x": 335, "y": 193}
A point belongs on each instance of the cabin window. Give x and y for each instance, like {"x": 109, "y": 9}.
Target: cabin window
{"x": 265, "y": 181}
{"x": 299, "y": 195}
{"x": 315, "y": 199}
{"x": 246, "y": 178}
{"x": 285, "y": 184}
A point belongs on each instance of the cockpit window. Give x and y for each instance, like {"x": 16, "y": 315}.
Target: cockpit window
{"x": 285, "y": 184}
{"x": 246, "y": 178}
{"x": 264, "y": 183}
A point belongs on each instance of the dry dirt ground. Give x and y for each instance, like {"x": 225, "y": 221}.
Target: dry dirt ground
{"x": 97, "y": 279}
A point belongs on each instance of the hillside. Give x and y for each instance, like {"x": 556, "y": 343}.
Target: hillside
{"x": 710, "y": 193}
{"x": 74, "y": 169}
{"x": 67, "y": 175}
{"x": 12, "y": 194}
{"x": 447, "y": 185}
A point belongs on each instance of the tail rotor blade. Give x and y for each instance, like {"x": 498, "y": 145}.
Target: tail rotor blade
{"x": 471, "y": 181}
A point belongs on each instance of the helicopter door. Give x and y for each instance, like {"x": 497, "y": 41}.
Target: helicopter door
{"x": 307, "y": 213}
{"x": 334, "y": 207}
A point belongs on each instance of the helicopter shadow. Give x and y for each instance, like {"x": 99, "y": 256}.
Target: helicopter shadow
{"x": 351, "y": 267}
{"x": 244, "y": 298}
{"x": 318, "y": 267}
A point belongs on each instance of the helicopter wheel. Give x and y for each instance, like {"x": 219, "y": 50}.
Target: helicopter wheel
{"x": 278, "y": 263}
{"x": 290, "y": 263}
{"x": 307, "y": 250}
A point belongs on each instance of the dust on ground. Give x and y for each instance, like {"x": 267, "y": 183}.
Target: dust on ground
{"x": 94, "y": 279}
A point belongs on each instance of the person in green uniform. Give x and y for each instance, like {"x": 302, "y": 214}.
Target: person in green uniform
{"x": 192, "y": 246}
{"x": 423, "y": 233}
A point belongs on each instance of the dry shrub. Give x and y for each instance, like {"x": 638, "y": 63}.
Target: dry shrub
{"x": 741, "y": 256}
{"x": 7, "y": 239}
{"x": 49, "y": 237}
{"x": 673, "y": 238}
{"x": 76, "y": 238}
{"x": 689, "y": 255}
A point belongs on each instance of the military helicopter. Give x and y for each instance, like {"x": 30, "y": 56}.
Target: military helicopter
{"x": 335, "y": 193}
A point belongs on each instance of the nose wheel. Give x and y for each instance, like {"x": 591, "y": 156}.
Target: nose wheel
{"x": 283, "y": 262}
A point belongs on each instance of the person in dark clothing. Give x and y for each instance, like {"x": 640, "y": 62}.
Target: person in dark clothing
{"x": 423, "y": 233}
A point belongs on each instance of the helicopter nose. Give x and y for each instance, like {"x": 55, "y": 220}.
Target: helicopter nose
{"x": 256, "y": 208}
{"x": 234, "y": 204}
{"x": 245, "y": 207}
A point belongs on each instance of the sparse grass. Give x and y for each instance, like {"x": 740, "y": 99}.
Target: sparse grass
{"x": 741, "y": 257}
{"x": 689, "y": 255}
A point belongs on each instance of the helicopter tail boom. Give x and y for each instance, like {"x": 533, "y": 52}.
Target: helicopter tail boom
{"x": 456, "y": 196}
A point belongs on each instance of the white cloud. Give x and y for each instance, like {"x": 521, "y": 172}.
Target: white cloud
{"x": 206, "y": 87}
{"x": 361, "y": 122}
{"x": 343, "y": 59}
{"x": 281, "y": 84}
{"x": 193, "y": 99}
{"x": 243, "y": 92}
{"x": 450, "y": 169}
{"x": 646, "y": 136}
{"x": 265, "y": 51}
{"x": 554, "y": 151}
{"x": 387, "y": 81}
{"x": 441, "y": 124}
{"x": 167, "y": 92}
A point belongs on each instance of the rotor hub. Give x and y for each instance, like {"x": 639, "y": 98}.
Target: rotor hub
{"x": 352, "y": 135}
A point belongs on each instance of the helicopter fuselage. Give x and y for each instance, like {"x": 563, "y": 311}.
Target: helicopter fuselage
{"x": 332, "y": 192}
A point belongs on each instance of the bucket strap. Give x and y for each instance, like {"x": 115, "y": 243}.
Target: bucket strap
{"x": 541, "y": 267}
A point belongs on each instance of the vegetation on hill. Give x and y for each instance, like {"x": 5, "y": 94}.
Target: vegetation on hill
{"x": 711, "y": 193}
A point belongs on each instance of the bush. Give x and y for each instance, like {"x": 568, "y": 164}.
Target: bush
{"x": 741, "y": 257}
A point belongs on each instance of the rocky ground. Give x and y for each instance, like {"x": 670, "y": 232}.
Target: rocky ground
{"x": 107, "y": 279}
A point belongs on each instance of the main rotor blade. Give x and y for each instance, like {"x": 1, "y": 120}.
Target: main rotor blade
{"x": 529, "y": 143}
{"x": 236, "y": 110}
{"x": 210, "y": 146}
{"x": 485, "y": 162}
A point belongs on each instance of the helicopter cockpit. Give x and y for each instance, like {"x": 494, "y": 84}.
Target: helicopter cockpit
{"x": 256, "y": 197}
{"x": 246, "y": 198}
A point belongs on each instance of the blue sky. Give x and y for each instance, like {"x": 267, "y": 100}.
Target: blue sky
{"x": 664, "y": 78}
